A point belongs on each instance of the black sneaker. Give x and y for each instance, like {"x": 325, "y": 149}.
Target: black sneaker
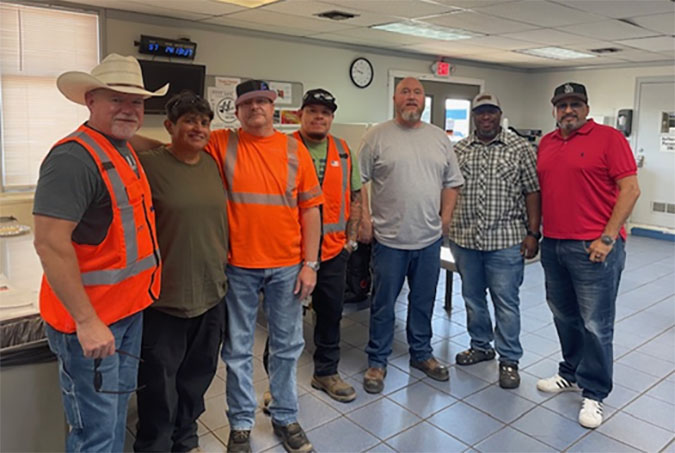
{"x": 293, "y": 437}
{"x": 239, "y": 441}
{"x": 508, "y": 375}
{"x": 471, "y": 356}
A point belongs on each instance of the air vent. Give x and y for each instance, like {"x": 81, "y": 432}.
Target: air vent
{"x": 658, "y": 206}
{"x": 336, "y": 15}
{"x": 605, "y": 50}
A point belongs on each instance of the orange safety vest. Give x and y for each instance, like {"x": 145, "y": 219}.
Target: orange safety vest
{"x": 121, "y": 275}
{"x": 336, "y": 187}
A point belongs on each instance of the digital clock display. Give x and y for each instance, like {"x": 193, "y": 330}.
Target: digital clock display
{"x": 167, "y": 47}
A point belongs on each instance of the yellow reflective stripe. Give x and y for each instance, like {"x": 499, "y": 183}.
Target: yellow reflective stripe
{"x": 285, "y": 199}
{"x": 114, "y": 276}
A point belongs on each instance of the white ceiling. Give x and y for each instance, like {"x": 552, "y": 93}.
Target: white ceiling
{"x": 642, "y": 30}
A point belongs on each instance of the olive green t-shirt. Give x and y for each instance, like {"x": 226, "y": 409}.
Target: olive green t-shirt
{"x": 191, "y": 217}
{"x": 319, "y": 151}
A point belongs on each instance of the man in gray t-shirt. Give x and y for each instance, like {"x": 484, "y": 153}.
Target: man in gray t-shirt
{"x": 414, "y": 184}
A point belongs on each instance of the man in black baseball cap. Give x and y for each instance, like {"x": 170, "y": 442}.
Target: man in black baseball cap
{"x": 569, "y": 90}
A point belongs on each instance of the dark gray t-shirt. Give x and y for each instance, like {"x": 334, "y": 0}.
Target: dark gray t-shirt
{"x": 70, "y": 187}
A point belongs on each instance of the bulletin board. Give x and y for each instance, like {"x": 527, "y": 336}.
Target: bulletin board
{"x": 220, "y": 92}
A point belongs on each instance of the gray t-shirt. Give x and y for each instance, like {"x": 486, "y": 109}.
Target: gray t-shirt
{"x": 70, "y": 187}
{"x": 408, "y": 168}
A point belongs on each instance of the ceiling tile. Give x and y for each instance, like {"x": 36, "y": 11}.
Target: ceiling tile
{"x": 307, "y": 25}
{"x": 205, "y": 7}
{"x": 658, "y": 44}
{"x": 149, "y": 7}
{"x": 664, "y": 23}
{"x": 608, "y": 30}
{"x": 481, "y": 23}
{"x": 641, "y": 56}
{"x": 539, "y": 13}
{"x": 408, "y": 9}
{"x": 450, "y": 48}
{"x": 473, "y": 3}
{"x": 547, "y": 36}
{"x": 621, "y": 9}
{"x": 378, "y": 37}
{"x": 309, "y": 8}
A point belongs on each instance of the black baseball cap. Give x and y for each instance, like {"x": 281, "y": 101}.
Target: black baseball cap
{"x": 252, "y": 89}
{"x": 569, "y": 90}
{"x": 319, "y": 96}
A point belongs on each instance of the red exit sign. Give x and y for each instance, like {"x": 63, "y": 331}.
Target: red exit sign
{"x": 441, "y": 69}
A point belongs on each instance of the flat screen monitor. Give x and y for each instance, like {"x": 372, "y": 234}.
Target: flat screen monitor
{"x": 180, "y": 76}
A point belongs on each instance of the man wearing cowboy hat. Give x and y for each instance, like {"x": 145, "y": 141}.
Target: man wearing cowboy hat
{"x": 589, "y": 186}
{"x": 95, "y": 235}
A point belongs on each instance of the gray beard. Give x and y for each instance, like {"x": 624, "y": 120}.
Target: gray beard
{"x": 411, "y": 116}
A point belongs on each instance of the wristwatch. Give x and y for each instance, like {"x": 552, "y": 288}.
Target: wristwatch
{"x": 534, "y": 234}
{"x": 607, "y": 239}
{"x": 353, "y": 245}
{"x": 313, "y": 265}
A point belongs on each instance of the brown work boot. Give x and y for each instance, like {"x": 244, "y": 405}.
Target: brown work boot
{"x": 373, "y": 380}
{"x": 335, "y": 386}
{"x": 432, "y": 368}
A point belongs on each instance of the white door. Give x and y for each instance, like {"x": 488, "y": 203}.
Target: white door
{"x": 655, "y": 117}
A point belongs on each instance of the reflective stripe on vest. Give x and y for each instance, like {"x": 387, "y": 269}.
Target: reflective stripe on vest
{"x": 133, "y": 266}
{"x": 286, "y": 199}
{"x": 341, "y": 224}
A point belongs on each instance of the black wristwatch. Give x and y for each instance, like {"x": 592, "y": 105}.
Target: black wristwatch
{"x": 534, "y": 234}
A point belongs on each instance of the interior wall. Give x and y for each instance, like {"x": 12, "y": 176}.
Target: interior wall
{"x": 609, "y": 90}
{"x": 227, "y": 52}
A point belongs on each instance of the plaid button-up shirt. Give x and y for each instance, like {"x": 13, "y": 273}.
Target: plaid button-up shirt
{"x": 491, "y": 212}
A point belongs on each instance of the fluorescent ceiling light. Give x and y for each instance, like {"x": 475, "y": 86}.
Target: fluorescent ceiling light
{"x": 427, "y": 31}
{"x": 248, "y": 3}
{"x": 556, "y": 53}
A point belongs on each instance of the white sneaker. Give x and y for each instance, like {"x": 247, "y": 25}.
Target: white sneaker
{"x": 590, "y": 415}
{"x": 556, "y": 384}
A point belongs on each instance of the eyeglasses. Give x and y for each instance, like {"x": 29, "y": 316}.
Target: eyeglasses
{"x": 98, "y": 376}
{"x": 562, "y": 106}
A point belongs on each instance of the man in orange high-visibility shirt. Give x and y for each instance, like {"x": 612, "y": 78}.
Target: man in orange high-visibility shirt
{"x": 95, "y": 235}
{"x": 275, "y": 226}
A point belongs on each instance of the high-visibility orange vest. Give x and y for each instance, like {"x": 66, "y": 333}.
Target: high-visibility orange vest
{"x": 336, "y": 187}
{"x": 121, "y": 275}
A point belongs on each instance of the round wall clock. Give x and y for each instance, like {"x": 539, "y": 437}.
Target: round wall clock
{"x": 361, "y": 72}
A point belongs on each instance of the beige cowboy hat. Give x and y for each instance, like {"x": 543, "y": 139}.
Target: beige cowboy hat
{"x": 115, "y": 72}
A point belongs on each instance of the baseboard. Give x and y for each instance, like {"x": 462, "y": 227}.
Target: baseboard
{"x": 653, "y": 234}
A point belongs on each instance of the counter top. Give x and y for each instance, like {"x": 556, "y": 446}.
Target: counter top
{"x": 20, "y": 276}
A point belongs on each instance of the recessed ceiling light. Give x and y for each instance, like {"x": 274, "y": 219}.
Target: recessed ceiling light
{"x": 556, "y": 53}
{"x": 248, "y": 3}
{"x": 427, "y": 31}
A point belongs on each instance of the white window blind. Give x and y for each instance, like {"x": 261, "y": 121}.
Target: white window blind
{"x": 36, "y": 45}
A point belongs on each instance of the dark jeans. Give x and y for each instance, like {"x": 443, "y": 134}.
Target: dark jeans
{"x": 327, "y": 301}
{"x": 180, "y": 357}
{"x": 500, "y": 272}
{"x": 582, "y": 297}
{"x": 390, "y": 268}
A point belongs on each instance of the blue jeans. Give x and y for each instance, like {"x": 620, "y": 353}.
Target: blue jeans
{"x": 97, "y": 420}
{"x": 500, "y": 272}
{"x": 390, "y": 268}
{"x": 582, "y": 297}
{"x": 284, "y": 320}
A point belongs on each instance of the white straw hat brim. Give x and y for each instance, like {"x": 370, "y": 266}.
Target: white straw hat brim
{"x": 75, "y": 84}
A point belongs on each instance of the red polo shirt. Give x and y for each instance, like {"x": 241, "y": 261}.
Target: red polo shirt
{"x": 578, "y": 176}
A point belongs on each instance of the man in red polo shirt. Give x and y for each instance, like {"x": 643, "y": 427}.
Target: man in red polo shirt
{"x": 589, "y": 186}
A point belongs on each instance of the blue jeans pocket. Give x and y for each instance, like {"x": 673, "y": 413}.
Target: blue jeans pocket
{"x": 70, "y": 405}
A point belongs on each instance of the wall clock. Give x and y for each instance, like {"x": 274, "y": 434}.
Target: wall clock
{"x": 361, "y": 72}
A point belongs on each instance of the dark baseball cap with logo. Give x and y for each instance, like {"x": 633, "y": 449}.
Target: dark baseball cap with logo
{"x": 569, "y": 90}
{"x": 319, "y": 96}
{"x": 253, "y": 89}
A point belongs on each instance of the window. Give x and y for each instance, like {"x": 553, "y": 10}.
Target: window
{"x": 457, "y": 118}
{"x": 428, "y": 104}
{"x": 36, "y": 45}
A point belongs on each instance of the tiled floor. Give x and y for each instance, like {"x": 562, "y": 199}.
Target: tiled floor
{"x": 471, "y": 412}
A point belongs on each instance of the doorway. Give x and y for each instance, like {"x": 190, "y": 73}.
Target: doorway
{"x": 654, "y": 128}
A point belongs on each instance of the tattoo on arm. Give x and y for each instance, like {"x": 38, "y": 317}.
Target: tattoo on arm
{"x": 354, "y": 215}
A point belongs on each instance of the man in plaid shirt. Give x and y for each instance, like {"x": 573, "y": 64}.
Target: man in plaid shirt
{"x": 495, "y": 226}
